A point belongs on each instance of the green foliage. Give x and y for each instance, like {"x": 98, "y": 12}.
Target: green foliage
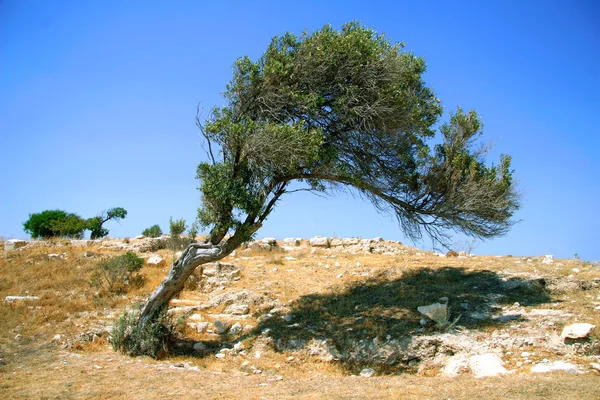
{"x": 148, "y": 340}
{"x": 349, "y": 108}
{"x": 118, "y": 272}
{"x": 153, "y": 232}
{"x": 193, "y": 230}
{"x": 176, "y": 227}
{"x": 94, "y": 224}
{"x": 54, "y": 223}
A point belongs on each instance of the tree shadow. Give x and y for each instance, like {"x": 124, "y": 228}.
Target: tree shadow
{"x": 385, "y": 309}
{"x": 382, "y": 308}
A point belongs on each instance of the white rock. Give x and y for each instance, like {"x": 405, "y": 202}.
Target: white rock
{"x": 56, "y": 338}
{"x": 238, "y": 309}
{"x": 271, "y": 241}
{"x": 290, "y": 258}
{"x": 437, "y": 312}
{"x": 548, "y": 259}
{"x": 10, "y": 299}
{"x": 367, "y": 372}
{"x": 236, "y": 329}
{"x": 202, "y": 327}
{"x": 13, "y": 244}
{"x": 221, "y": 327}
{"x": 195, "y": 317}
{"x": 292, "y": 241}
{"x": 319, "y": 241}
{"x": 488, "y": 364}
{"x": 458, "y": 364}
{"x": 155, "y": 261}
{"x": 350, "y": 241}
{"x": 199, "y": 346}
{"x": 555, "y": 366}
{"x": 577, "y": 331}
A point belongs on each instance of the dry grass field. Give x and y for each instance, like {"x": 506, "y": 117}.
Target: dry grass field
{"x": 56, "y": 347}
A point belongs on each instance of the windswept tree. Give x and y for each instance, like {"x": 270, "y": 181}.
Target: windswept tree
{"x": 333, "y": 110}
{"x": 94, "y": 224}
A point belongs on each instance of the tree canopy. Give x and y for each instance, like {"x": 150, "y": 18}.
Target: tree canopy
{"x": 348, "y": 108}
{"x": 332, "y": 110}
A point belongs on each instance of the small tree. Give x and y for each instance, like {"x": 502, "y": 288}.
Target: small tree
{"x": 193, "y": 231}
{"x": 331, "y": 110}
{"x": 176, "y": 228}
{"x": 54, "y": 223}
{"x": 94, "y": 224}
{"x": 154, "y": 231}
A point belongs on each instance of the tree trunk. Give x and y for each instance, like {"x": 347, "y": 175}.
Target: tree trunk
{"x": 193, "y": 256}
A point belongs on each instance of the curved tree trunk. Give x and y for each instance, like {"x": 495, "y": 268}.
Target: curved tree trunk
{"x": 193, "y": 256}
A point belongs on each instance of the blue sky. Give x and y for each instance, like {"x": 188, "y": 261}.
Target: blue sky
{"x": 98, "y": 99}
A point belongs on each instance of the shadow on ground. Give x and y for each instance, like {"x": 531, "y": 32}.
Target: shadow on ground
{"x": 381, "y": 307}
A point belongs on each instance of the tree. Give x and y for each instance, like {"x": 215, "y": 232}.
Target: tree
{"x": 94, "y": 224}
{"x": 154, "y": 231}
{"x": 54, "y": 223}
{"x": 332, "y": 110}
{"x": 176, "y": 228}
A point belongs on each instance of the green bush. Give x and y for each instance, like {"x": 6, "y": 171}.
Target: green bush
{"x": 193, "y": 231}
{"x": 176, "y": 228}
{"x": 153, "y": 232}
{"x": 55, "y": 223}
{"x": 150, "y": 340}
{"x": 118, "y": 272}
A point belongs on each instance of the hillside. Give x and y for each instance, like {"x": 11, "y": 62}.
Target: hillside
{"x": 325, "y": 318}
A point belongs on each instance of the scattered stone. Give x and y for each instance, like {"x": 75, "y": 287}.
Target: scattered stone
{"x": 238, "y": 309}
{"x": 576, "y": 331}
{"x": 202, "y": 327}
{"x": 11, "y": 299}
{"x": 324, "y": 349}
{"x": 367, "y": 372}
{"x": 555, "y": 366}
{"x": 437, "y": 312}
{"x": 486, "y": 365}
{"x": 236, "y": 329}
{"x": 548, "y": 259}
{"x": 56, "y": 338}
{"x": 290, "y": 258}
{"x": 155, "y": 261}
{"x": 199, "y": 346}
{"x": 221, "y": 327}
{"x": 13, "y": 244}
{"x": 270, "y": 241}
{"x": 319, "y": 241}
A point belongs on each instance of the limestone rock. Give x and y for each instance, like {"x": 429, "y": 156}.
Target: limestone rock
{"x": 457, "y": 364}
{"x": 271, "y": 241}
{"x": 221, "y": 327}
{"x": 11, "y": 299}
{"x": 555, "y": 366}
{"x": 155, "y": 261}
{"x": 13, "y": 244}
{"x": 367, "y": 372}
{"x": 292, "y": 241}
{"x": 548, "y": 259}
{"x": 577, "y": 331}
{"x": 437, "y": 312}
{"x": 323, "y": 349}
{"x": 488, "y": 364}
{"x": 236, "y": 329}
{"x": 238, "y": 309}
{"x": 319, "y": 241}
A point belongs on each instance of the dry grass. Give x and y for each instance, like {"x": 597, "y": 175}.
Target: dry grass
{"x": 336, "y": 295}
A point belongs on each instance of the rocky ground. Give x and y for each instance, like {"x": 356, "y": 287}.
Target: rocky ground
{"x": 315, "y": 318}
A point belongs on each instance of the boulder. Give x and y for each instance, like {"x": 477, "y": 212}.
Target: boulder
{"x": 367, "y": 372}
{"x": 13, "y": 244}
{"x": 155, "y": 261}
{"x": 271, "y": 241}
{"x": 236, "y": 329}
{"x": 555, "y": 366}
{"x": 323, "y": 349}
{"x": 576, "y": 331}
{"x": 238, "y": 309}
{"x": 437, "y": 312}
{"x": 548, "y": 259}
{"x": 488, "y": 364}
{"x": 292, "y": 241}
{"x": 221, "y": 327}
{"x": 319, "y": 241}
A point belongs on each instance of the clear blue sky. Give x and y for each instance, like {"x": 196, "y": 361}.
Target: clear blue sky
{"x": 98, "y": 98}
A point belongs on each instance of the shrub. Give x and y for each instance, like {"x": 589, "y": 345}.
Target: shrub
{"x": 54, "y": 223}
{"x": 193, "y": 231}
{"x": 118, "y": 272}
{"x": 153, "y": 232}
{"x": 176, "y": 228}
{"x": 150, "y": 340}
